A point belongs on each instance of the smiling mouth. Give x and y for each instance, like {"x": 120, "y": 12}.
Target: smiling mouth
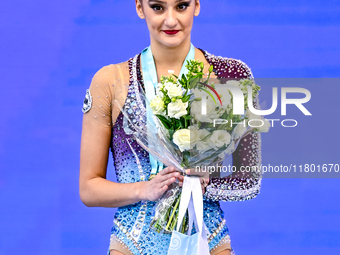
{"x": 171, "y": 32}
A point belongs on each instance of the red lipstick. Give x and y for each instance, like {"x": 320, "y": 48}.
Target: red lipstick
{"x": 171, "y": 32}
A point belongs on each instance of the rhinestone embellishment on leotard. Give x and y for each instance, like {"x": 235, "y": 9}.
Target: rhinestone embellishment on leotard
{"x": 87, "y": 102}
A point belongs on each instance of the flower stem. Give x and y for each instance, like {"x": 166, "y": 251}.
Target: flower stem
{"x": 173, "y": 212}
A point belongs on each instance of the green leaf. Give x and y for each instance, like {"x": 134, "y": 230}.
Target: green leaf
{"x": 186, "y": 98}
{"x": 165, "y": 121}
{"x": 182, "y": 125}
{"x": 177, "y": 124}
{"x": 189, "y": 117}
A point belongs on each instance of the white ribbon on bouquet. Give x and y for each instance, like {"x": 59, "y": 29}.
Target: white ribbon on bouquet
{"x": 192, "y": 200}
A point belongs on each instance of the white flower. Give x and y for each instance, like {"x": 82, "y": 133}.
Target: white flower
{"x": 159, "y": 94}
{"x": 225, "y": 96}
{"x": 202, "y": 145}
{"x": 157, "y": 105}
{"x": 186, "y": 139}
{"x": 182, "y": 139}
{"x": 167, "y": 85}
{"x": 198, "y": 93}
{"x": 203, "y": 133}
{"x": 174, "y": 90}
{"x": 219, "y": 138}
{"x": 211, "y": 113}
{"x": 177, "y": 109}
{"x": 194, "y": 135}
{"x": 171, "y": 71}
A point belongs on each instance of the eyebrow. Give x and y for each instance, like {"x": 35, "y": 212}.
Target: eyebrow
{"x": 161, "y": 2}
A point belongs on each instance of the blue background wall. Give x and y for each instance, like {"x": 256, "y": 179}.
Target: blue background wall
{"x": 51, "y": 49}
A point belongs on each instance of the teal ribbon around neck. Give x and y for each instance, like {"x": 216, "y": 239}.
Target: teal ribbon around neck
{"x": 150, "y": 83}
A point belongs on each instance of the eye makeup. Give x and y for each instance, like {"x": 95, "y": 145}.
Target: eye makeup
{"x": 158, "y": 5}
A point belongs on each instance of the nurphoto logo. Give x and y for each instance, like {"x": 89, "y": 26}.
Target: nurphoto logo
{"x": 238, "y": 106}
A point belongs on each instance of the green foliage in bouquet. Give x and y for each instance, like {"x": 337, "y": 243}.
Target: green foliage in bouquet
{"x": 193, "y": 79}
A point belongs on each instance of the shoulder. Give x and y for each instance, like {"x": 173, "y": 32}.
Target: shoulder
{"x": 112, "y": 70}
{"x": 112, "y": 75}
{"x": 108, "y": 84}
{"x": 225, "y": 67}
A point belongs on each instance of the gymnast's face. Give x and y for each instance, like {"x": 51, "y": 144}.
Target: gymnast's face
{"x": 169, "y": 21}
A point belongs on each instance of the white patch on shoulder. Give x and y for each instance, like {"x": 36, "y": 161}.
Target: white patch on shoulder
{"x": 87, "y": 101}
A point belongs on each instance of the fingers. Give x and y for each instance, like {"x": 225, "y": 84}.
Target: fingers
{"x": 164, "y": 188}
{"x": 166, "y": 174}
{"x": 207, "y": 180}
{"x": 168, "y": 181}
{"x": 167, "y": 170}
{"x": 204, "y": 182}
{"x": 171, "y": 176}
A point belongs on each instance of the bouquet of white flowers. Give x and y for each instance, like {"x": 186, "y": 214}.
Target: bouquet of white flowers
{"x": 195, "y": 126}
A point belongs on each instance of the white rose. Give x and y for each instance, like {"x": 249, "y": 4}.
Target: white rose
{"x": 157, "y": 105}
{"x": 182, "y": 139}
{"x": 211, "y": 113}
{"x": 219, "y": 138}
{"x": 174, "y": 90}
{"x": 177, "y": 109}
{"x": 194, "y": 135}
{"x": 186, "y": 139}
{"x": 196, "y": 110}
{"x": 202, "y": 145}
{"x": 167, "y": 85}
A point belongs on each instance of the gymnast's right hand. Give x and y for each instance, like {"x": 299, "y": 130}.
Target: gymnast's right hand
{"x": 154, "y": 189}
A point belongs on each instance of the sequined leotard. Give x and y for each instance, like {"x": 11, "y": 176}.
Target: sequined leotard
{"x": 131, "y": 223}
